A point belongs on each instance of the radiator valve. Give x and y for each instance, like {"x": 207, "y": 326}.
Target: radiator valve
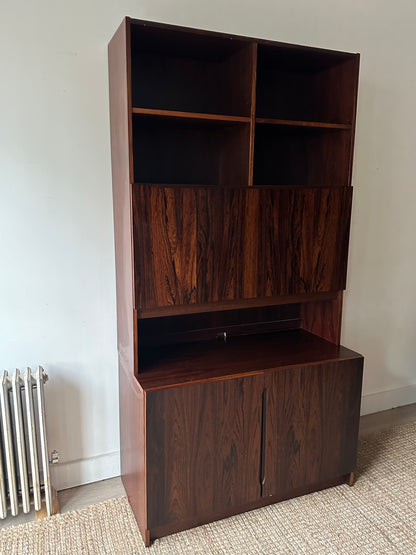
{"x": 55, "y": 458}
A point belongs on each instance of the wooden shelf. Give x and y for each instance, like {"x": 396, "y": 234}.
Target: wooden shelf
{"x": 174, "y": 310}
{"x": 204, "y": 361}
{"x": 295, "y": 123}
{"x": 193, "y": 116}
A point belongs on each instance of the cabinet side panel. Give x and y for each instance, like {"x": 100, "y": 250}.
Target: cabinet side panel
{"x": 323, "y": 318}
{"x": 132, "y": 446}
{"x": 312, "y": 424}
{"x": 120, "y": 160}
{"x": 203, "y": 450}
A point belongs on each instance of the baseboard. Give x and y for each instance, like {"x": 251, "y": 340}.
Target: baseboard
{"x": 385, "y": 400}
{"x": 84, "y": 471}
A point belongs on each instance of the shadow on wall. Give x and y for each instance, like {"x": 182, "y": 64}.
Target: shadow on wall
{"x": 64, "y": 422}
{"x": 88, "y": 449}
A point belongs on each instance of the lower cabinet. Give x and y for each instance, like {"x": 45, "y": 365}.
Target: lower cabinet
{"x": 312, "y": 419}
{"x": 222, "y": 447}
{"x": 203, "y": 450}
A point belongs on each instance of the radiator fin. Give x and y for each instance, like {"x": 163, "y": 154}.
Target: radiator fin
{"x": 22, "y": 438}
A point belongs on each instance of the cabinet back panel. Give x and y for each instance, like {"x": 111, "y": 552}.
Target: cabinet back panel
{"x": 301, "y": 86}
{"x": 301, "y": 157}
{"x": 168, "y": 330}
{"x": 177, "y": 70}
{"x": 185, "y": 152}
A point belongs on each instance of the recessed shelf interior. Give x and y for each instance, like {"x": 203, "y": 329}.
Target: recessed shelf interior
{"x": 301, "y": 156}
{"x": 190, "y": 151}
{"x": 175, "y": 364}
{"x": 190, "y": 72}
{"x": 294, "y": 83}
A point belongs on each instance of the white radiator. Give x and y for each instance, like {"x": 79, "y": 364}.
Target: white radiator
{"x": 24, "y": 462}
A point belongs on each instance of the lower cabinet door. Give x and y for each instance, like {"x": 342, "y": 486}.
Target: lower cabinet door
{"x": 312, "y": 425}
{"x": 203, "y": 450}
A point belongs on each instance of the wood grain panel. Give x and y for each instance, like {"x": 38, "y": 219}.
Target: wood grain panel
{"x": 172, "y": 365}
{"x": 323, "y": 318}
{"x": 234, "y": 303}
{"x": 118, "y": 63}
{"x": 266, "y": 242}
{"x": 221, "y": 248}
{"x": 312, "y": 424}
{"x": 203, "y": 449}
{"x": 319, "y": 227}
{"x": 164, "y": 245}
{"x": 132, "y": 446}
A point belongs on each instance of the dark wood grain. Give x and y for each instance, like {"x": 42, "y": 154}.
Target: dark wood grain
{"x": 132, "y": 446}
{"x": 189, "y": 115}
{"x": 156, "y": 312}
{"x": 221, "y": 251}
{"x": 197, "y": 118}
{"x": 132, "y": 416}
{"x": 164, "y": 246}
{"x": 203, "y": 326}
{"x": 269, "y": 242}
{"x": 323, "y": 318}
{"x": 312, "y": 424}
{"x": 295, "y": 123}
{"x": 242, "y": 243}
{"x": 120, "y": 156}
{"x": 253, "y": 113}
{"x": 173, "y": 365}
{"x": 203, "y": 449}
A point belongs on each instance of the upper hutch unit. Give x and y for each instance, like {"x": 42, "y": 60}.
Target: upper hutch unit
{"x": 232, "y": 164}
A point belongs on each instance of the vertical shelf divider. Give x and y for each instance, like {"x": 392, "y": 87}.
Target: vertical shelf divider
{"x": 252, "y": 113}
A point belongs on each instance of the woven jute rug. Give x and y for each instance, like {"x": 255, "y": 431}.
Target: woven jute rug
{"x": 377, "y": 515}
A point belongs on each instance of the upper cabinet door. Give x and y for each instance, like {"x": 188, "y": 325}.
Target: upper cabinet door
{"x": 164, "y": 231}
{"x": 210, "y": 244}
{"x": 266, "y": 242}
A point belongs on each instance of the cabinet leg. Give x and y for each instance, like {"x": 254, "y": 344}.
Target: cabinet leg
{"x": 147, "y": 540}
{"x": 351, "y": 479}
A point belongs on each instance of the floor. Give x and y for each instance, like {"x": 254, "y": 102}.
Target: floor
{"x": 82, "y": 496}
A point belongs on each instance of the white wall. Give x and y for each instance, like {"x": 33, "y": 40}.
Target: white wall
{"x": 57, "y": 288}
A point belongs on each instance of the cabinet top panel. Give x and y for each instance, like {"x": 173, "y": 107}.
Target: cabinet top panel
{"x": 181, "y": 364}
{"x": 205, "y": 42}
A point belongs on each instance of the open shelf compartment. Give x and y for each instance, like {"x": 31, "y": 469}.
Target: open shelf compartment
{"x": 301, "y": 156}
{"x": 301, "y": 84}
{"x": 190, "y": 151}
{"x": 190, "y": 72}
